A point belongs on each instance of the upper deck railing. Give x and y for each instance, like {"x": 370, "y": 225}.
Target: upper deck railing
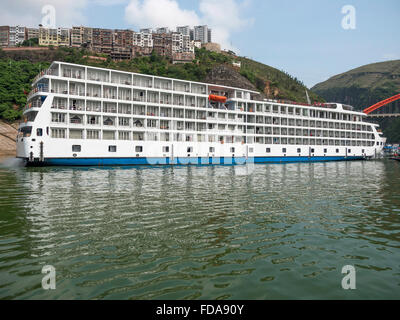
{"x": 47, "y": 72}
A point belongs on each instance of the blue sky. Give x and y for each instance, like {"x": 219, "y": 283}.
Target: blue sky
{"x": 304, "y": 37}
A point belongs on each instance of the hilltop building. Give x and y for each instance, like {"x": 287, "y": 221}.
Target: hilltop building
{"x": 122, "y": 45}
{"x": 81, "y": 36}
{"x": 31, "y": 33}
{"x": 102, "y": 41}
{"x": 4, "y": 36}
{"x": 119, "y": 44}
{"x": 185, "y": 30}
{"x": 17, "y": 36}
{"x": 148, "y": 30}
{"x": 54, "y": 37}
{"x": 202, "y": 33}
{"x": 162, "y": 30}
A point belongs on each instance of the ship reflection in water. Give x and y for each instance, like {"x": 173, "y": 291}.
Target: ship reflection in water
{"x": 281, "y": 232}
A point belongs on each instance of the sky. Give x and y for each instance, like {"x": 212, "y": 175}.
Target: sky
{"x": 305, "y": 38}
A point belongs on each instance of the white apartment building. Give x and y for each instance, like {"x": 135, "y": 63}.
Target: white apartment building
{"x": 181, "y": 43}
{"x": 17, "y": 36}
{"x": 143, "y": 39}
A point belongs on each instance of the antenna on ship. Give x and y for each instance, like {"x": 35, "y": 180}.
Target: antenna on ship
{"x": 308, "y": 97}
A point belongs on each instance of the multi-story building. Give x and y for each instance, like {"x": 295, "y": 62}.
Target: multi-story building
{"x": 54, "y": 37}
{"x": 181, "y": 43}
{"x": 185, "y": 30}
{"x": 163, "y": 44}
{"x": 121, "y": 53}
{"x": 123, "y": 38}
{"x": 162, "y": 30}
{"x": 143, "y": 39}
{"x": 102, "y": 41}
{"x": 63, "y": 37}
{"x": 48, "y": 37}
{"x": 16, "y": 36}
{"x": 197, "y": 44}
{"x": 4, "y": 36}
{"x": 202, "y": 33}
{"x": 122, "y": 45}
{"x": 148, "y": 30}
{"x": 177, "y": 42}
{"x": 81, "y": 36}
{"x": 31, "y": 33}
{"x": 187, "y": 44}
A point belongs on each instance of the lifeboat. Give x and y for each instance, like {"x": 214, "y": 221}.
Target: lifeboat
{"x": 213, "y": 97}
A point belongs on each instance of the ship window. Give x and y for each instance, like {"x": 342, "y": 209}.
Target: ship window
{"x": 349, "y": 151}
{"x": 39, "y": 132}
{"x": 212, "y": 149}
{"x": 76, "y": 148}
{"x": 189, "y": 149}
{"x": 337, "y": 150}
{"x": 325, "y": 150}
{"x": 298, "y": 150}
{"x": 233, "y": 150}
{"x": 138, "y": 149}
{"x": 112, "y": 148}
{"x": 283, "y": 150}
{"x": 312, "y": 150}
{"x": 363, "y": 151}
{"x": 165, "y": 149}
{"x": 251, "y": 150}
{"x": 268, "y": 150}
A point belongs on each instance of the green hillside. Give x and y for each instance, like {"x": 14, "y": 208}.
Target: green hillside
{"x": 365, "y": 86}
{"x": 17, "y": 69}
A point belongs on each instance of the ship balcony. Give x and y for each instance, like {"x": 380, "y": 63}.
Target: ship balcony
{"x": 39, "y": 88}
{"x": 37, "y": 103}
{"x": 25, "y": 123}
{"x": 47, "y": 72}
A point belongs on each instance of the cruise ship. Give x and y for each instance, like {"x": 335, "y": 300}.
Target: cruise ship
{"x": 80, "y": 115}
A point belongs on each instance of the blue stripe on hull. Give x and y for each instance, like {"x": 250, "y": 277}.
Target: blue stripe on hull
{"x": 184, "y": 161}
{"x": 302, "y": 159}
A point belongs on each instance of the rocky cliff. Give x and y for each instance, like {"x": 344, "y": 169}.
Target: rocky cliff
{"x": 227, "y": 76}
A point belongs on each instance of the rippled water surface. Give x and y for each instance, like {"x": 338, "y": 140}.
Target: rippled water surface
{"x": 279, "y": 232}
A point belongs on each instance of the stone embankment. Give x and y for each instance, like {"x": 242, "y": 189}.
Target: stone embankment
{"x": 8, "y": 134}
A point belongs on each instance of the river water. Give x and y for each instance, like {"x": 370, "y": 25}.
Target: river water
{"x": 222, "y": 232}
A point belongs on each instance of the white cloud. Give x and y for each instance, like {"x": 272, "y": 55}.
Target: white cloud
{"x": 158, "y": 13}
{"x": 29, "y": 12}
{"x": 223, "y": 16}
{"x": 109, "y": 2}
